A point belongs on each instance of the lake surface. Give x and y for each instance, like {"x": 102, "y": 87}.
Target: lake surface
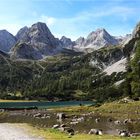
{"x": 43, "y": 104}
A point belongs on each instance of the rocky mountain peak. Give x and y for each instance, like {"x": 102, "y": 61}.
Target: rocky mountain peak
{"x": 100, "y": 38}
{"x": 130, "y": 44}
{"x": 80, "y": 40}
{"x": 22, "y": 32}
{"x": 67, "y": 42}
{"x": 40, "y": 27}
{"x": 7, "y": 40}
{"x": 40, "y": 40}
{"x": 136, "y": 32}
{"x": 99, "y": 31}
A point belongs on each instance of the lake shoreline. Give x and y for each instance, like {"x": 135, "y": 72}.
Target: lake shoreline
{"x": 114, "y": 112}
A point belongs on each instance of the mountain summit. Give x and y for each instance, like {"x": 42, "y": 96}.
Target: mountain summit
{"x": 37, "y": 42}
{"x": 7, "y": 41}
{"x": 97, "y": 39}
{"x": 40, "y": 40}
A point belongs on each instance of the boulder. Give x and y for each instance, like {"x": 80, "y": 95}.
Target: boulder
{"x": 37, "y": 115}
{"x": 124, "y": 133}
{"x": 69, "y": 130}
{"x": 55, "y": 126}
{"x": 127, "y": 121}
{"x": 97, "y": 120}
{"x": 60, "y": 116}
{"x": 96, "y": 132}
{"x": 74, "y": 123}
{"x": 117, "y": 122}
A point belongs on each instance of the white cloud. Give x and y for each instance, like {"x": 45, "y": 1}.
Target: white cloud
{"x": 48, "y": 20}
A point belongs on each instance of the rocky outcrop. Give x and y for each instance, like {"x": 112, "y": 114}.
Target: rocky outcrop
{"x": 67, "y": 42}
{"x": 40, "y": 40}
{"x": 80, "y": 41}
{"x": 25, "y": 51}
{"x": 22, "y": 33}
{"x": 7, "y": 41}
{"x": 129, "y": 46}
{"x": 96, "y": 40}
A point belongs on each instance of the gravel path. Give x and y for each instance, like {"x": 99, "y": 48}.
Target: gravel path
{"x": 10, "y": 131}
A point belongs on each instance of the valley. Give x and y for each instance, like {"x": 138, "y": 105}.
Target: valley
{"x": 103, "y": 69}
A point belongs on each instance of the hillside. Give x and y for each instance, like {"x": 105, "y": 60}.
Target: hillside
{"x": 71, "y": 75}
{"x": 61, "y": 77}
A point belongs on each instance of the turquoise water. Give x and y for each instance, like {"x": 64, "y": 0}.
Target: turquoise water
{"x": 43, "y": 104}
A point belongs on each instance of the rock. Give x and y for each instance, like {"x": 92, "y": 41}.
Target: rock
{"x": 124, "y": 133}
{"x": 37, "y": 115}
{"x": 7, "y": 41}
{"x": 70, "y": 131}
{"x": 55, "y": 126}
{"x": 109, "y": 120}
{"x": 129, "y": 45}
{"x": 127, "y": 121}
{"x": 136, "y": 32}
{"x": 66, "y": 42}
{"x": 80, "y": 41}
{"x": 135, "y": 134}
{"x": 43, "y": 117}
{"x": 25, "y": 51}
{"x": 48, "y": 117}
{"x": 2, "y": 110}
{"x": 97, "y": 120}
{"x": 95, "y": 131}
{"x": 117, "y": 122}
{"x": 74, "y": 123}
{"x": 78, "y": 119}
{"x": 96, "y": 40}
{"x": 60, "y": 116}
{"x": 40, "y": 41}
{"x": 63, "y": 125}
{"x": 62, "y": 129}
{"x": 22, "y": 33}
{"x": 126, "y": 100}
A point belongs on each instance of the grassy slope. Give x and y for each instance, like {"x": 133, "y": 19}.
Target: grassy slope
{"x": 113, "y": 109}
{"x": 50, "y": 134}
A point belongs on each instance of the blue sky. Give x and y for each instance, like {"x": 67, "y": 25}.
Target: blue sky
{"x": 72, "y": 18}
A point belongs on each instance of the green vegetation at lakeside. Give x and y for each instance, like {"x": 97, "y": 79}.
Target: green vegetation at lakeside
{"x": 57, "y": 135}
{"x": 117, "y": 110}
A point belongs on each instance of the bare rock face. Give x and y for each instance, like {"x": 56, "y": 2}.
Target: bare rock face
{"x": 22, "y": 33}
{"x": 40, "y": 40}
{"x": 136, "y": 32}
{"x": 25, "y": 51}
{"x": 7, "y": 41}
{"x": 129, "y": 45}
{"x": 80, "y": 41}
{"x": 100, "y": 38}
{"x": 67, "y": 42}
{"x": 96, "y": 40}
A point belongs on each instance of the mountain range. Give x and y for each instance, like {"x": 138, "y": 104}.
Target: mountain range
{"x": 37, "y": 42}
{"x": 39, "y": 66}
